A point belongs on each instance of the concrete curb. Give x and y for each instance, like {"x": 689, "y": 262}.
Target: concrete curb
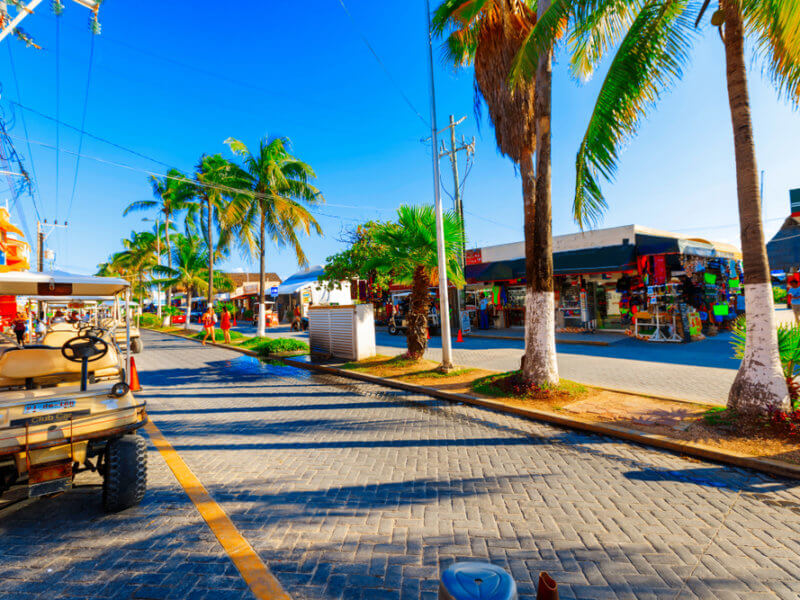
{"x": 764, "y": 465}
{"x": 522, "y": 339}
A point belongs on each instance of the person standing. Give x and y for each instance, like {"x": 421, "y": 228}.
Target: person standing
{"x": 225, "y": 324}
{"x": 208, "y": 325}
{"x": 19, "y": 327}
{"x": 483, "y": 306}
{"x": 794, "y": 294}
{"x": 296, "y": 321}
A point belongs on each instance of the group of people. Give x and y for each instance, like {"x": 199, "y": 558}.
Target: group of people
{"x": 209, "y": 319}
{"x": 19, "y": 325}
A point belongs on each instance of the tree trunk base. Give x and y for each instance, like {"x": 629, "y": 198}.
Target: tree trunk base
{"x": 539, "y": 365}
{"x": 760, "y": 384}
{"x": 445, "y": 367}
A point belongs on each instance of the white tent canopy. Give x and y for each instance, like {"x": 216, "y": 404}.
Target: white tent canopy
{"x": 59, "y": 284}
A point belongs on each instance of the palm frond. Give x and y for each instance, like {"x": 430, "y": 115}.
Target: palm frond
{"x": 650, "y": 58}
{"x": 775, "y": 25}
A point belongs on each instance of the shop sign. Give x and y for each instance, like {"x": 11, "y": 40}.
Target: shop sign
{"x": 474, "y": 257}
{"x": 466, "y": 325}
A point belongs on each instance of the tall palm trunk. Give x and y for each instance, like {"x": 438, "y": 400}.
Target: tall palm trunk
{"x": 168, "y": 244}
{"x": 539, "y": 364}
{"x": 419, "y": 303}
{"x": 261, "y": 266}
{"x": 210, "y": 255}
{"x": 759, "y": 384}
{"x": 188, "y": 308}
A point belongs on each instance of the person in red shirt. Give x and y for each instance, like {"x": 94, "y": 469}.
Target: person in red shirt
{"x": 208, "y": 325}
{"x": 225, "y": 324}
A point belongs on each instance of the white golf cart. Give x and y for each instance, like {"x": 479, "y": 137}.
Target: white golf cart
{"x": 106, "y": 313}
{"x": 65, "y": 404}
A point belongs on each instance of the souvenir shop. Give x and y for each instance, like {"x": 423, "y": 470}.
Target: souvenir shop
{"x": 647, "y": 283}
{"x": 672, "y": 291}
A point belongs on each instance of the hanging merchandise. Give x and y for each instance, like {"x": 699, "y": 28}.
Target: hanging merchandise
{"x": 659, "y": 269}
{"x": 710, "y": 278}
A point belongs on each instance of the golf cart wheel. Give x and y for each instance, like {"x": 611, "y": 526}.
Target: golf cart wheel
{"x": 137, "y": 345}
{"x": 125, "y": 473}
{"x": 393, "y": 329}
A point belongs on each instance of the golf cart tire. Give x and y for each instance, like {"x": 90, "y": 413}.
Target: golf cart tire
{"x": 436, "y": 331}
{"x": 393, "y": 330}
{"x": 137, "y": 345}
{"x": 125, "y": 473}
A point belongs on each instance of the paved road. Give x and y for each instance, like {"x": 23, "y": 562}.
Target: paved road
{"x": 700, "y": 372}
{"x": 348, "y": 490}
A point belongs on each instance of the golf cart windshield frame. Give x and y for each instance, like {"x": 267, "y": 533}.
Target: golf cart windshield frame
{"x": 58, "y": 286}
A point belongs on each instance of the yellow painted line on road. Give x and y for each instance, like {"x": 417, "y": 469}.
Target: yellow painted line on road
{"x": 256, "y": 574}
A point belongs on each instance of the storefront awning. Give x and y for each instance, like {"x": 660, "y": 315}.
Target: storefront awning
{"x": 595, "y": 260}
{"x": 501, "y": 270}
{"x": 648, "y": 245}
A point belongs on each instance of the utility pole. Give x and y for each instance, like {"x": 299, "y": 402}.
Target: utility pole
{"x": 458, "y": 206}
{"x": 42, "y": 233}
{"x": 444, "y": 301}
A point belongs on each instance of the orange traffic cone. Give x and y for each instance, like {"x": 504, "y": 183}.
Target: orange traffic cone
{"x": 459, "y": 337}
{"x": 548, "y": 588}
{"x": 133, "y": 379}
{"x": 428, "y": 331}
{"x": 234, "y": 321}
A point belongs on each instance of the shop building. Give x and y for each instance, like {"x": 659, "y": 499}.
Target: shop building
{"x": 654, "y": 284}
{"x": 304, "y": 289}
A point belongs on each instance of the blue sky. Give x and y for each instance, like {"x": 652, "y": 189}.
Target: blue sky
{"x": 173, "y": 82}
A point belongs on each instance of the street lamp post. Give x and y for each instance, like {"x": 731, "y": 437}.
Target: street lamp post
{"x": 444, "y": 301}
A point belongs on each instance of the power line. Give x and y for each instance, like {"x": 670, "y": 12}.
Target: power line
{"x": 382, "y": 65}
{"x": 25, "y": 129}
{"x": 58, "y": 105}
{"x": 83, "y": 124}
{"x": 91, "y": 135}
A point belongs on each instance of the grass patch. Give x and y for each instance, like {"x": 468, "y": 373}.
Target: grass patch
{"x": 218, "y": 335}
{"x": 397, "y": 362}
{"x": 511, "y": 385}
{"x": 265, "y": 346}
{"x": 436, "y": 374}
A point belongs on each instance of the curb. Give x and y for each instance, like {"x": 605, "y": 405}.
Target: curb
{"x": 764, "y": 465}
{"x": 521, "y": 339}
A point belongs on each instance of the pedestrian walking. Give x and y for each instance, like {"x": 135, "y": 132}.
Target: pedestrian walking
{"x": 208, "y": 324}
{"x": 19, "y": 326}
{"x": 225, "y": 324}
{"x": 794, "y": 293}
{"x": 297, "y": 323}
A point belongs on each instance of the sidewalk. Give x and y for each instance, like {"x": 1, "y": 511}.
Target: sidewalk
{"x": 599, "y": 338}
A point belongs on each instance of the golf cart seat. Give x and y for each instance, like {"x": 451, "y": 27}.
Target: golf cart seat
{"x": 56, "y": 338}
{"x": 47, "y": 365}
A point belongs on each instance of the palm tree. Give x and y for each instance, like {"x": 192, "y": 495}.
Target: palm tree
{"x": 214, "y": 178}
{"x": 408, "y": 253}
{"x": 173, "y": 194}
{"x": 190, "y": 270}
{"x": 656, "y": 38}
{"x": 137, "y": 259}
{"x": 275, "y": 187}
{"x": 489, "y": 35}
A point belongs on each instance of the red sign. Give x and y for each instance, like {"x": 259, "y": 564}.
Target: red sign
{"x": 474, "y": 257}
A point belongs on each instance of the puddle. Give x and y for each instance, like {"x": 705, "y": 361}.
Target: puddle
{"x": 250, "y": 366}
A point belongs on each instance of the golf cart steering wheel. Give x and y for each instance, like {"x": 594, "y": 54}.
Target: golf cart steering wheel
{"x": 91, "y": 331}
{"x": 87, "y": 348}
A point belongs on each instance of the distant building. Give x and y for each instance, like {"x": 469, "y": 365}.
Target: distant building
{"x": 245, "y": 296}
{"x": 783, "y": 250}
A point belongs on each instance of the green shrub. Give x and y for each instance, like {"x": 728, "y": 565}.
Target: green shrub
{"x": 266, "y": 346}
{"x": 149, "y": 320}
{"x": 778, "y": 294}
{"x": 247, "y": 315}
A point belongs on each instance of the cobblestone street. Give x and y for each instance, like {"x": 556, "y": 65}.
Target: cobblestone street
{"x": 350, "y": 490}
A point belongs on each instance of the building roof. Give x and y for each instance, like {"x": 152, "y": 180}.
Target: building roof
{"x": 783, "y": 250}
{"x": 301, "y": 279}
{"x": 240, "y": 278}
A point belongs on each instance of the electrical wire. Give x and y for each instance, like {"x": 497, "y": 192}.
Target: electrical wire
{"x": 382, "y": 65}
{"x": 58, "y": 105}
{"x": 91, "y": 135}
{"x": 83, "y": 125}
{"x": 34, "y": 188}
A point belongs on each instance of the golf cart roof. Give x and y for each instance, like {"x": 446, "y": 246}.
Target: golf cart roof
{"x": 87, "y": 300}
{"x": 59, "y": 284}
